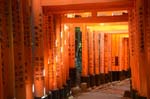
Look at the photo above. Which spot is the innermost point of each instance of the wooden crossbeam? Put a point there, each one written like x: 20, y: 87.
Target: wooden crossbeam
x: 101, y: 19
x: 109, y: 6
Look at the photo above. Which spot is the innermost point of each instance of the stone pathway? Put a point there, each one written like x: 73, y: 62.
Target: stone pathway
x: 114, y: 90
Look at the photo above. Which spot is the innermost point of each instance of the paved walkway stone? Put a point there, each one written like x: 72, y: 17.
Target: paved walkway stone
x: 114, y: 90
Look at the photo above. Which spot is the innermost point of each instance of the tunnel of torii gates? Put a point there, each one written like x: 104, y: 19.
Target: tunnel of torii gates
x: 37, y: 48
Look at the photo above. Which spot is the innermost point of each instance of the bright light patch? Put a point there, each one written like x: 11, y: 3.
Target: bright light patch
x: 61, y: 49
x: 33, y: 88
x: 61, y: 34
x: 48, y: 61
x: 56, y: 59
x: 44, y: 92
x: 65, y: 42
x: 44, y: 72
x: 66, y: 27
x: 56, y: 43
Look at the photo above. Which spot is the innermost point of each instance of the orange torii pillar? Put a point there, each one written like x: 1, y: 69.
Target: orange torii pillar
x: 121, y: 50
x: 65, y: 42
x: 140, y: 32
x: 117, y: 60
x: 7, y: 50
x: 46, y: 49
x: 50, y: 69
x: 64, y: 53
x: 1, y: 79
x: 107, y: 56
x: 102, y: 72
x: 91, y: 58
x: 59, y: 68
x: 132, y: 43
x: 121, y: 57
x: 19, y: 60
x: 58, y: 51
x: 126, y: 57
x: 1, y: 68
x: 97, y: 57
x: 72, y: 69
x: 49, y: 55
x: 112, y: 56
x: 147, y: 43
x: 38, y: 55
x: 85, y: 75
x: 27, y: 49
x: 66, y: 57
x: 64, y: 62
x: 115, y: 57
x: 52, y: 61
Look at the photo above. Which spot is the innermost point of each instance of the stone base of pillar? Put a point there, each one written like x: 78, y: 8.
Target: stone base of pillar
x: 92, y: 80
x: 133, y: 94
x: 66, y: 91
x: 97, y: 80
x: 37, y: 97
x: 102, y: 78
x: 62, y: 93
x: 141, y: 97
x: 49, y: 96
x: 115, y: 75
x: 107, y: 78
x: 86, y: 80
x: 55, y: 94
x: 122, y: 75
x: 128, y: 73
x: 72, y: 76
x: 127, y: 94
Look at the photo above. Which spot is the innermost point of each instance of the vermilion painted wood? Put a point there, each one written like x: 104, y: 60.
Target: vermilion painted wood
x: 46, y: 49
x: 1, y: 79
x: 1, y: 67
x: 7, y: 45
x: 72, y: 46
x: 111, y: 6
x: 84, y: 54
x: 101, y: 19
x: 96, y: 53
x: 19, y: 60
x: 147, y: 44
x: 139, y: 8
x: 38, y: 55
x: 27, y: 48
